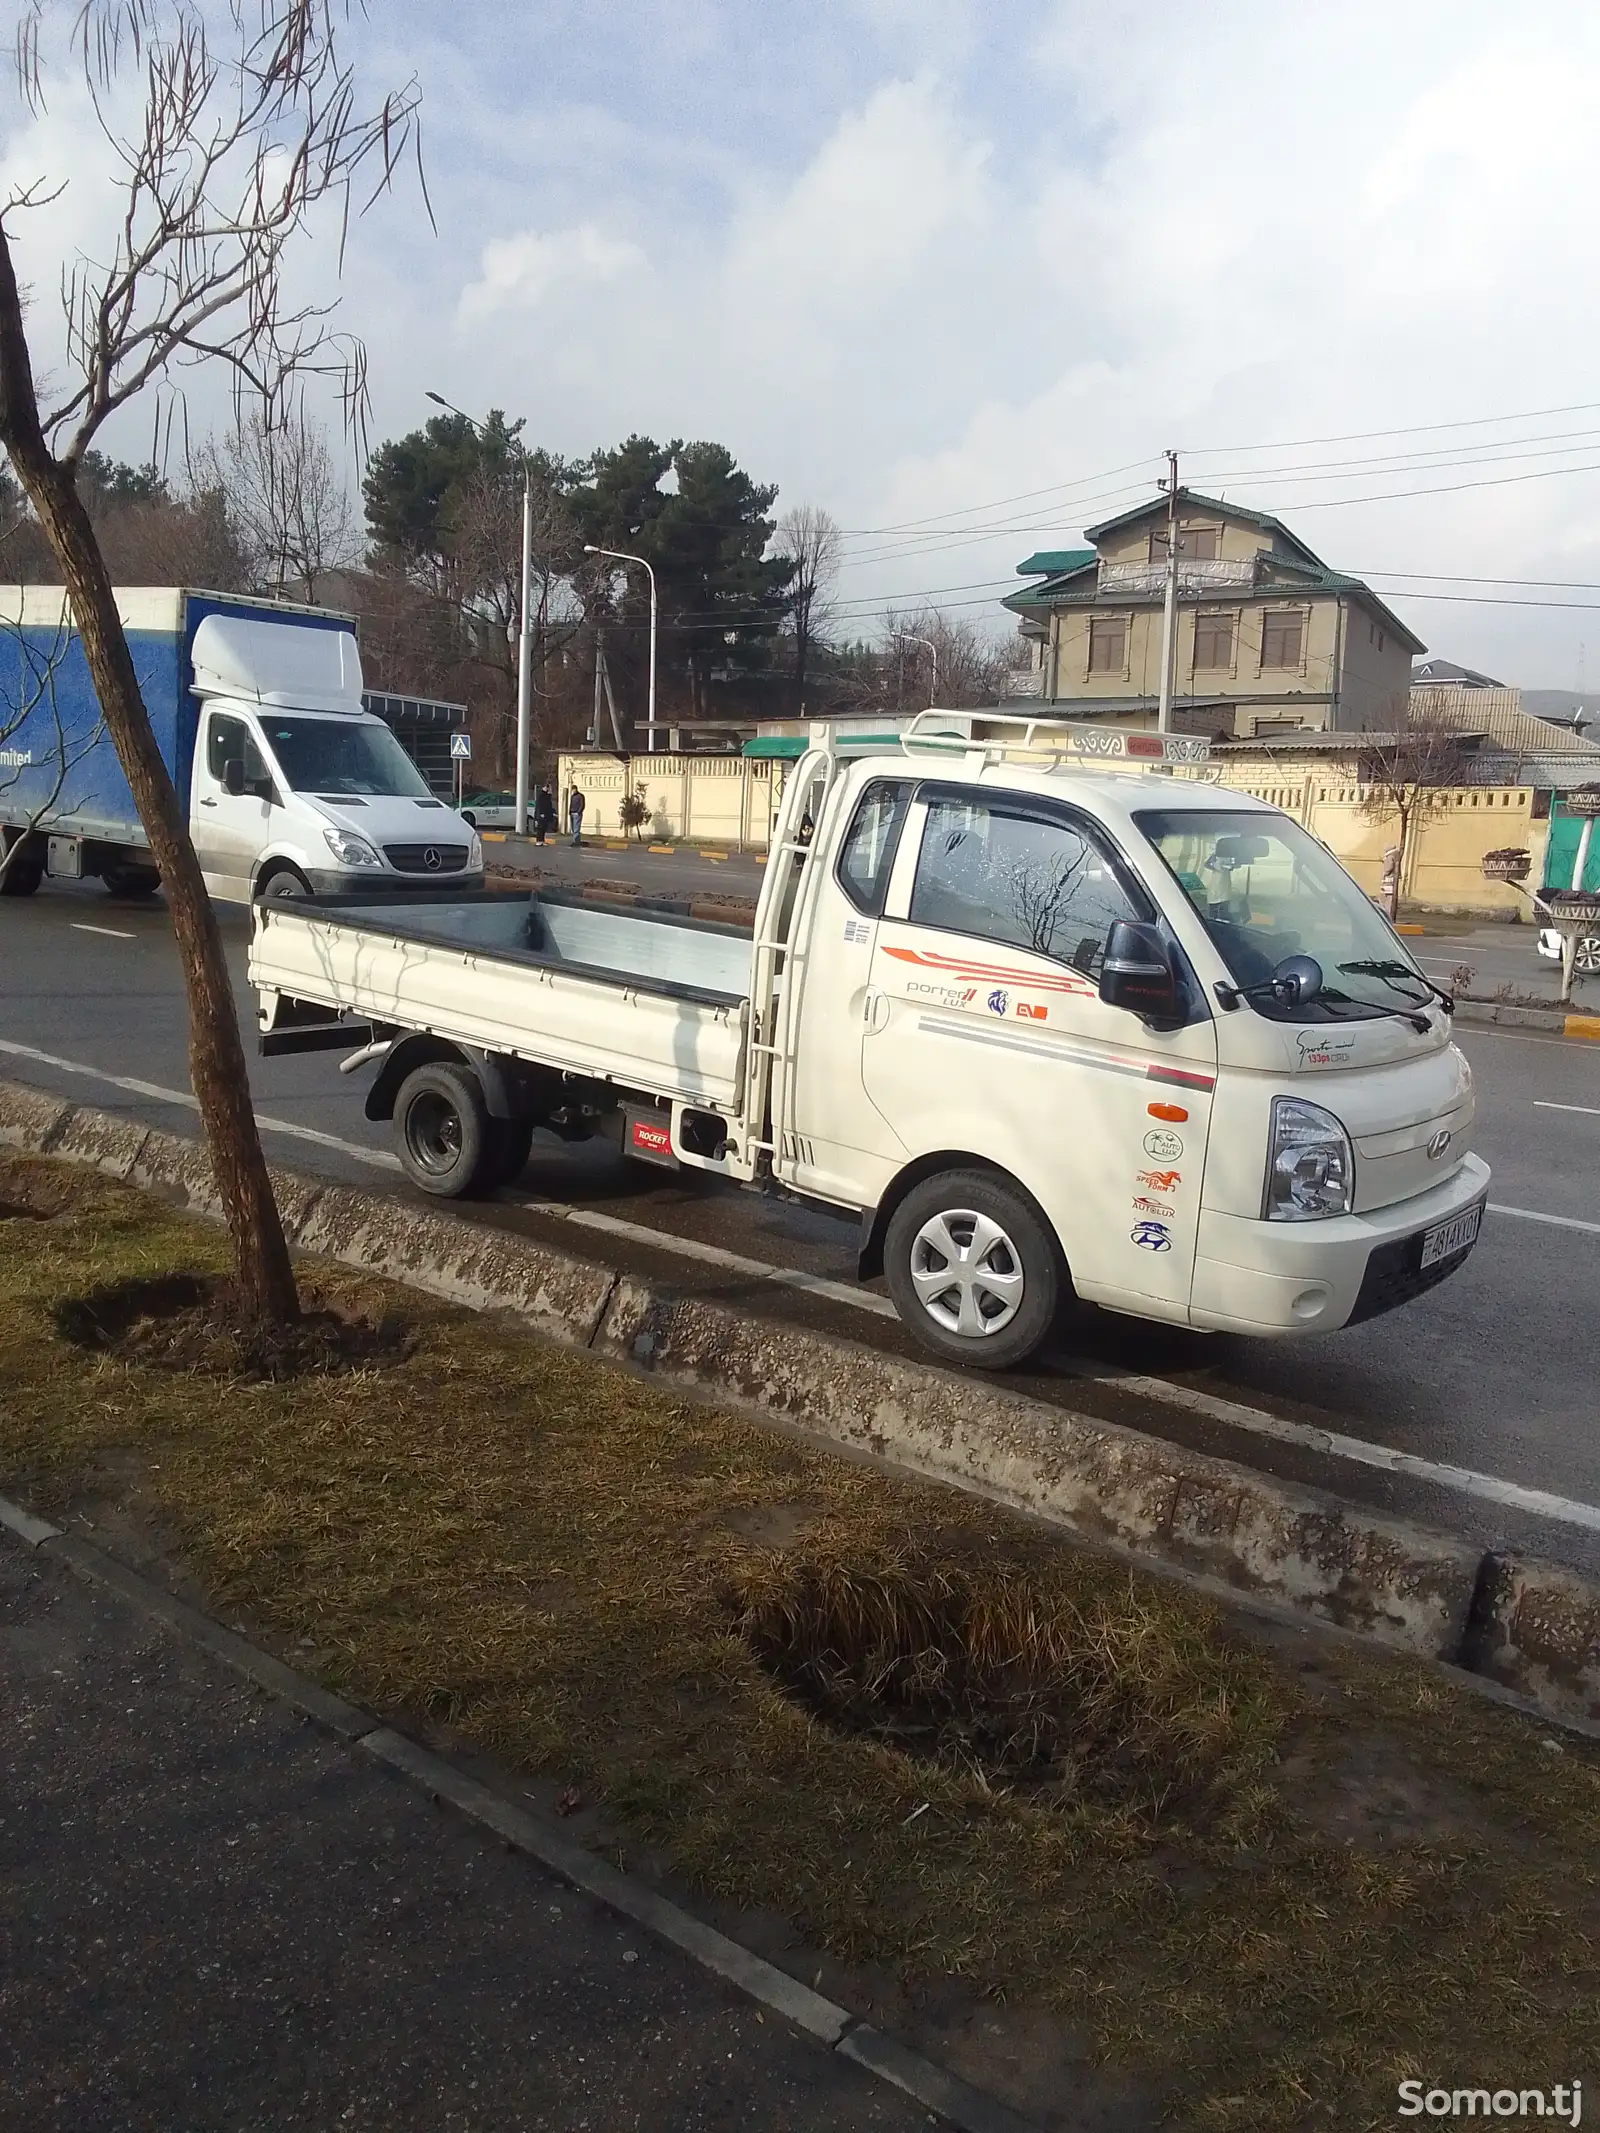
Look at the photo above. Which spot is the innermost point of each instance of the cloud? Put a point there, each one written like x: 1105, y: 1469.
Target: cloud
x: 518, y: 273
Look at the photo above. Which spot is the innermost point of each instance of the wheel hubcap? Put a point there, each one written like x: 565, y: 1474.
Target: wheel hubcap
x: 433, y: 1133
x: 967, y: 1273
x: 1587, y: 958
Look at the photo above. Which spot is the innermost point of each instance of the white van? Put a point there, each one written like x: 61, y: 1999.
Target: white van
x: 1046, y: 1030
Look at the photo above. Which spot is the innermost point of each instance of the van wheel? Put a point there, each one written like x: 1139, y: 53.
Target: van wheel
x: 973, y: 1269
x: 283, y: 881
x: 441, y: 1129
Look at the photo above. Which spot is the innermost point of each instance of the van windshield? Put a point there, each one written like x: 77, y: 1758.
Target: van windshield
x: 343, y: 756
x: 1267, y: 889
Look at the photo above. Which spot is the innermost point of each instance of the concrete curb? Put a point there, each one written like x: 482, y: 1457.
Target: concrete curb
x: 1532, y: 1627
x: 1555, y: 1021
x: 831, y: 2025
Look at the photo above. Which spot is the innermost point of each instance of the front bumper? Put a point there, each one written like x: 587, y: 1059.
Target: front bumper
x: 1312, y: 1277
x: 385, y: 887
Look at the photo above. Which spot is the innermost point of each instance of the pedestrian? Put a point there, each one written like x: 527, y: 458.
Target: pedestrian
x: 544, y: 814
x: 575, y: 807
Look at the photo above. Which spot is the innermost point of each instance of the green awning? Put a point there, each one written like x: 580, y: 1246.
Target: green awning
x: 789, y: 747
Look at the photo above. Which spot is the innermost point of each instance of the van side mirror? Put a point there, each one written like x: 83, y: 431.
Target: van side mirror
x: 1137, y: 972
x: 233, y: 777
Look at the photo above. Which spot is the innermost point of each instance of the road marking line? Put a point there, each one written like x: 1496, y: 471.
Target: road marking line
x: 112, y: 933
x: 1334, y: 1445
x: 1531, y: 1214
x: 715, y: 1255
x: 1588, y: 1110
x: 379, y: 1158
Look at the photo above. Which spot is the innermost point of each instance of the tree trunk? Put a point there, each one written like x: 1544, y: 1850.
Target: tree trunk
x: 217, y: 1067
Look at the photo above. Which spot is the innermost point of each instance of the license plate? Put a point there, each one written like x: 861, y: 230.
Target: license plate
x: 1452, y: 1236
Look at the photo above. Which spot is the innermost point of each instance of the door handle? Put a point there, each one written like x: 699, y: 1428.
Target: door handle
x: 874, y: 1009
x: 208, y: 803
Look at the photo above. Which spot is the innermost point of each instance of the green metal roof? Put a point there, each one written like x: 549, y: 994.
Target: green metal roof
x: 1051, y: 562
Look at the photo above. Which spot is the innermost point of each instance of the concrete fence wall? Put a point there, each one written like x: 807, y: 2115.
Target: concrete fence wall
x: 1451, y: 831
x: 703, y: 799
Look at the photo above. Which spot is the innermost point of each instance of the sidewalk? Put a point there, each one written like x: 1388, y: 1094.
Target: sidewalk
x: 216, y: 1916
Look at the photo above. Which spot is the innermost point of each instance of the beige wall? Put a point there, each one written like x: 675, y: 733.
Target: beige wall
x: 1448, y: 839
x: 1247, y: 679
x: 701, y: 799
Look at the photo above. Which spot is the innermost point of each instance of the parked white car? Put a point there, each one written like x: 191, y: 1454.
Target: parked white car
x: 1586, y: 962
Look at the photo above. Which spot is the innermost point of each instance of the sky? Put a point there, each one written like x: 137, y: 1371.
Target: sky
x: 961, y: 274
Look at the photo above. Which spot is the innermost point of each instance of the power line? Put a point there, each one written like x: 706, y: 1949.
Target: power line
x: 1413, y: 429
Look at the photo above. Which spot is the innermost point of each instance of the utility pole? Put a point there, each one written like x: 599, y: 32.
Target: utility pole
x: 525, y: 653
x: 1169, y: 619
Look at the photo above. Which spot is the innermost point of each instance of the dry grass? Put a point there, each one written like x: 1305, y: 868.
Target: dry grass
x: 1270, y: 1882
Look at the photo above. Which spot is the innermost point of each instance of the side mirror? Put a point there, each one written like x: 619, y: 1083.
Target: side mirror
x: 1297, y: 978
x: 233, y: 777
x: 1137, y: 972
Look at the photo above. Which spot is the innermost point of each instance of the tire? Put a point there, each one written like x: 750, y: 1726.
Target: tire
x: 281, y: 881
x: 506, y: 1157
x: 21, y: 878
x: 996, y: 1314
x: 1586, y: 958
x: 130, y: 881
x: 442, y: 1131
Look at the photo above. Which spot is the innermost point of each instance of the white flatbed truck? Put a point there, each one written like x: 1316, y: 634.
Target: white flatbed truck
x: 1048, y: 1020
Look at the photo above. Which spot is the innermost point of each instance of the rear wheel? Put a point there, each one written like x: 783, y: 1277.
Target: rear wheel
x: 506, y: 1157
x: 442, y: 1131
x: 26, y: 870
x: 973, y: 1269
x: 1586, y: 957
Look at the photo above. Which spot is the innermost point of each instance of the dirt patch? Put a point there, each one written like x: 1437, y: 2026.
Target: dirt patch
x: 10, y: 1213
x: 1008, y: 1678
x: 194, y: 1322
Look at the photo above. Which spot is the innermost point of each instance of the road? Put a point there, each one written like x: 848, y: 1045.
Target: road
x: 217, y: 1916
x: 1485, y: 1386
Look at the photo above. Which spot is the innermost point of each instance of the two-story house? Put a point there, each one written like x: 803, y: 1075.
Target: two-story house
x: 1269, y: 638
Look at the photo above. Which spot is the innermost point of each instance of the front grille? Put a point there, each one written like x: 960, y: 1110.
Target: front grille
x: 1395, y: 1274
x: 426, y: 858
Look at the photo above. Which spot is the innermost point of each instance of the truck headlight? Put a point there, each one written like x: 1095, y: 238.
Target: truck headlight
x: 475, y: 854
x: 351, y: 850
x: 1310, y: 1163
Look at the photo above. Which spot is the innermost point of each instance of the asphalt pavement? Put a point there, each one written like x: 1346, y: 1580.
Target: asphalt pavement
x: 1486, y: 1385
x: 214, y: 1915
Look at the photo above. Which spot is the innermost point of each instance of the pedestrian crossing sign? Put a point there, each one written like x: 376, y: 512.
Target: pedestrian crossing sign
x: 461, y: 747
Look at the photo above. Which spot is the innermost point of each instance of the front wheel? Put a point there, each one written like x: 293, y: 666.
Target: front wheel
x: 1586, y: 957
x: 283, y: 881
x: 973, y: 1269
x: 442, y: 1130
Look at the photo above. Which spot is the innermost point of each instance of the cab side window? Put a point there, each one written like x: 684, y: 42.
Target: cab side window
x: 1028, y: 881
x: 866, y: 859
x: 230, y: 740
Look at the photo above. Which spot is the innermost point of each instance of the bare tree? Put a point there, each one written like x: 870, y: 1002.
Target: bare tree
x: 972, y: 662
x: 285, y: 497
x: 1397, y: 769
x: 233, y: 154
x: 810, y: 539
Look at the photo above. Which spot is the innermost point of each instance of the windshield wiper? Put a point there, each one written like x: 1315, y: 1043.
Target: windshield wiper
x: 1389, y: 970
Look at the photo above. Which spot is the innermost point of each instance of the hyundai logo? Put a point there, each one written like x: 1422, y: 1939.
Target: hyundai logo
x: 1437, y: 1146
x: 433, y: 860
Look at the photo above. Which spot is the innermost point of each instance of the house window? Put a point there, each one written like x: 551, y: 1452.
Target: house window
x: 1200, y: 544
x: 1283, y: 636
x: 1213, y: 640
x: 1108, y: 644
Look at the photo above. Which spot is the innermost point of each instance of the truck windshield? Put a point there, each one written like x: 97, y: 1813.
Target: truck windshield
x: 1267, y: 889
x: 343, y: 756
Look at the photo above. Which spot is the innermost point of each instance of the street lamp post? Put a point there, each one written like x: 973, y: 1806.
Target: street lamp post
x: 525, y: 625
x: 619, y: 555
x: 910, y: 637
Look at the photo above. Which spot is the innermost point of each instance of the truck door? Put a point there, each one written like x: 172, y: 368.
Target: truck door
x: 994, y: 1040
x: 230, y: 830
x: 841, y: 1145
